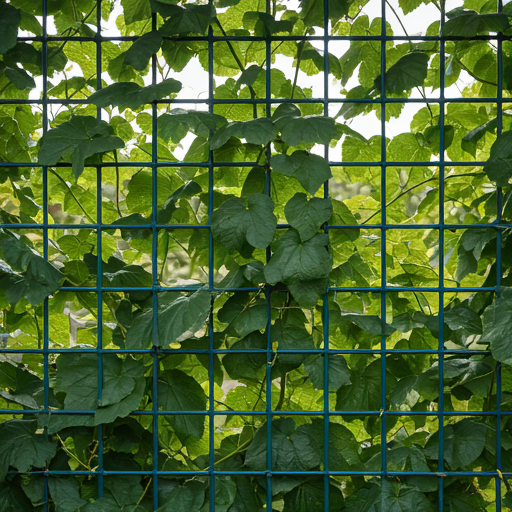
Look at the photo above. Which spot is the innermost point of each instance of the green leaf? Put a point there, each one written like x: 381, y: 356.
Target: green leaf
x: 178, y: 319
x: 290, y: 334
x: 470, y: 140
x: 184, y: 498
x: 13, y: 499
x: 307, y: 216
x: 137, y: 56
x: 123, y: 384
x: 499, y: 166
x: 456, y: 501
x: 234, y: 224
x: 308, y: 293
x: 247, y: 365
x: 408, y: 6
x: 292, y: 450
x: 10, y: 19
x: 177, y: 391
x: 364, y: 392
x: 475, y: 240
x: 74, y: 247
x: 30, y: 275
x: 310, y: 495
x: 105, y: 504
x: 406, y: 147
x: 191, y: 19
x: 312, y: 11
x: 293, y: 260
x: 179, y: 122
x: 463, y: 318
x: 22, y: 447
x: 339, y: 373
x: 20, y: 78
x: 469, y: 23
x: 136, y: 10
x: 306, y: 130
x: 311, y: 171
x: 65, y: 493
x: 396, y: 497
x: 21, y: 386
x: 131, y: 95
x: 130, y: 276
x: 225, y: 492
x: 263, y: 23
x: 76, y: 140
x: 256, y: 131
x: 244, y: 314
x: 496, y: 327
x: 410, y: 71
x: 464, y: 442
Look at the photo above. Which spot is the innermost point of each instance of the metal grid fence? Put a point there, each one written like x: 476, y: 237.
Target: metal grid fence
x: 271, y: 354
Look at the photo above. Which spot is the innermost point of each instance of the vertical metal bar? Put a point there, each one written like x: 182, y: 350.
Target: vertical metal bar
x: 154, y: 270
x: 99, y: 284
x: 268, y: 292
x: 325, y: 305
x: 268, y: 288
x: 211, y: 284
x: 383, y: 431
x: 44, y: 170
x: 441, y: 261
x: 499, y: 239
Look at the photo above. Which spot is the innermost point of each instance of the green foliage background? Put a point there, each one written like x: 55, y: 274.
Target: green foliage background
x: 136, y: 280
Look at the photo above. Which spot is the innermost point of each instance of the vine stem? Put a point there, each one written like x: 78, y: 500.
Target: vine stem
x: 472, y: 75
x: 419, y: 185
x: 282, y: 392
x: 117, y: 184
x: 63, y: 181
x: 144, y: 493
x: 239, y: 64
x: 241, y: 448
x: 399, y: 21
x: 300, y: 49
x: 71, y: 454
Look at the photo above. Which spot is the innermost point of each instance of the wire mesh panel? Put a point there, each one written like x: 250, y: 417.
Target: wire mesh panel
x: 252, y: 256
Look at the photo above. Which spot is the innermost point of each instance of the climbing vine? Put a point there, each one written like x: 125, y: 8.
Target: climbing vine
x: 196, y: 225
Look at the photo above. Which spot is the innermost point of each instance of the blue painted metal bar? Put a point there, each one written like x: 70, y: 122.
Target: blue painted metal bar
x: 499, y: 270
x: 154, y: 273
x: 440, y: 481
x: 99, y: 242
x: 186, y: 474
x: 268, y: 289
x: 44, y: 171
x: 325, y: 304
x: 377, y: 163
x: 490, y: 225
x: 242, y: 351
x: 251, y: 101
x: 211, y: 276
x: 229, y: 412
x: 383, y: 248
x: 293, y: 38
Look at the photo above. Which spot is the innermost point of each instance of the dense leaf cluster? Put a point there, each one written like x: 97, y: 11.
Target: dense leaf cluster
x: 197, y: 248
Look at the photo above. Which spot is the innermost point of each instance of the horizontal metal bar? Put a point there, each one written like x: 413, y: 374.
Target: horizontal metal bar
x: 376, y: 289
x: 177, y: 351
x: 265, y: 413
x: 383, y: 37
x: 263, y: 101
x: 490, y: 225
x: 390, y: 163
x: 187, y: 474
